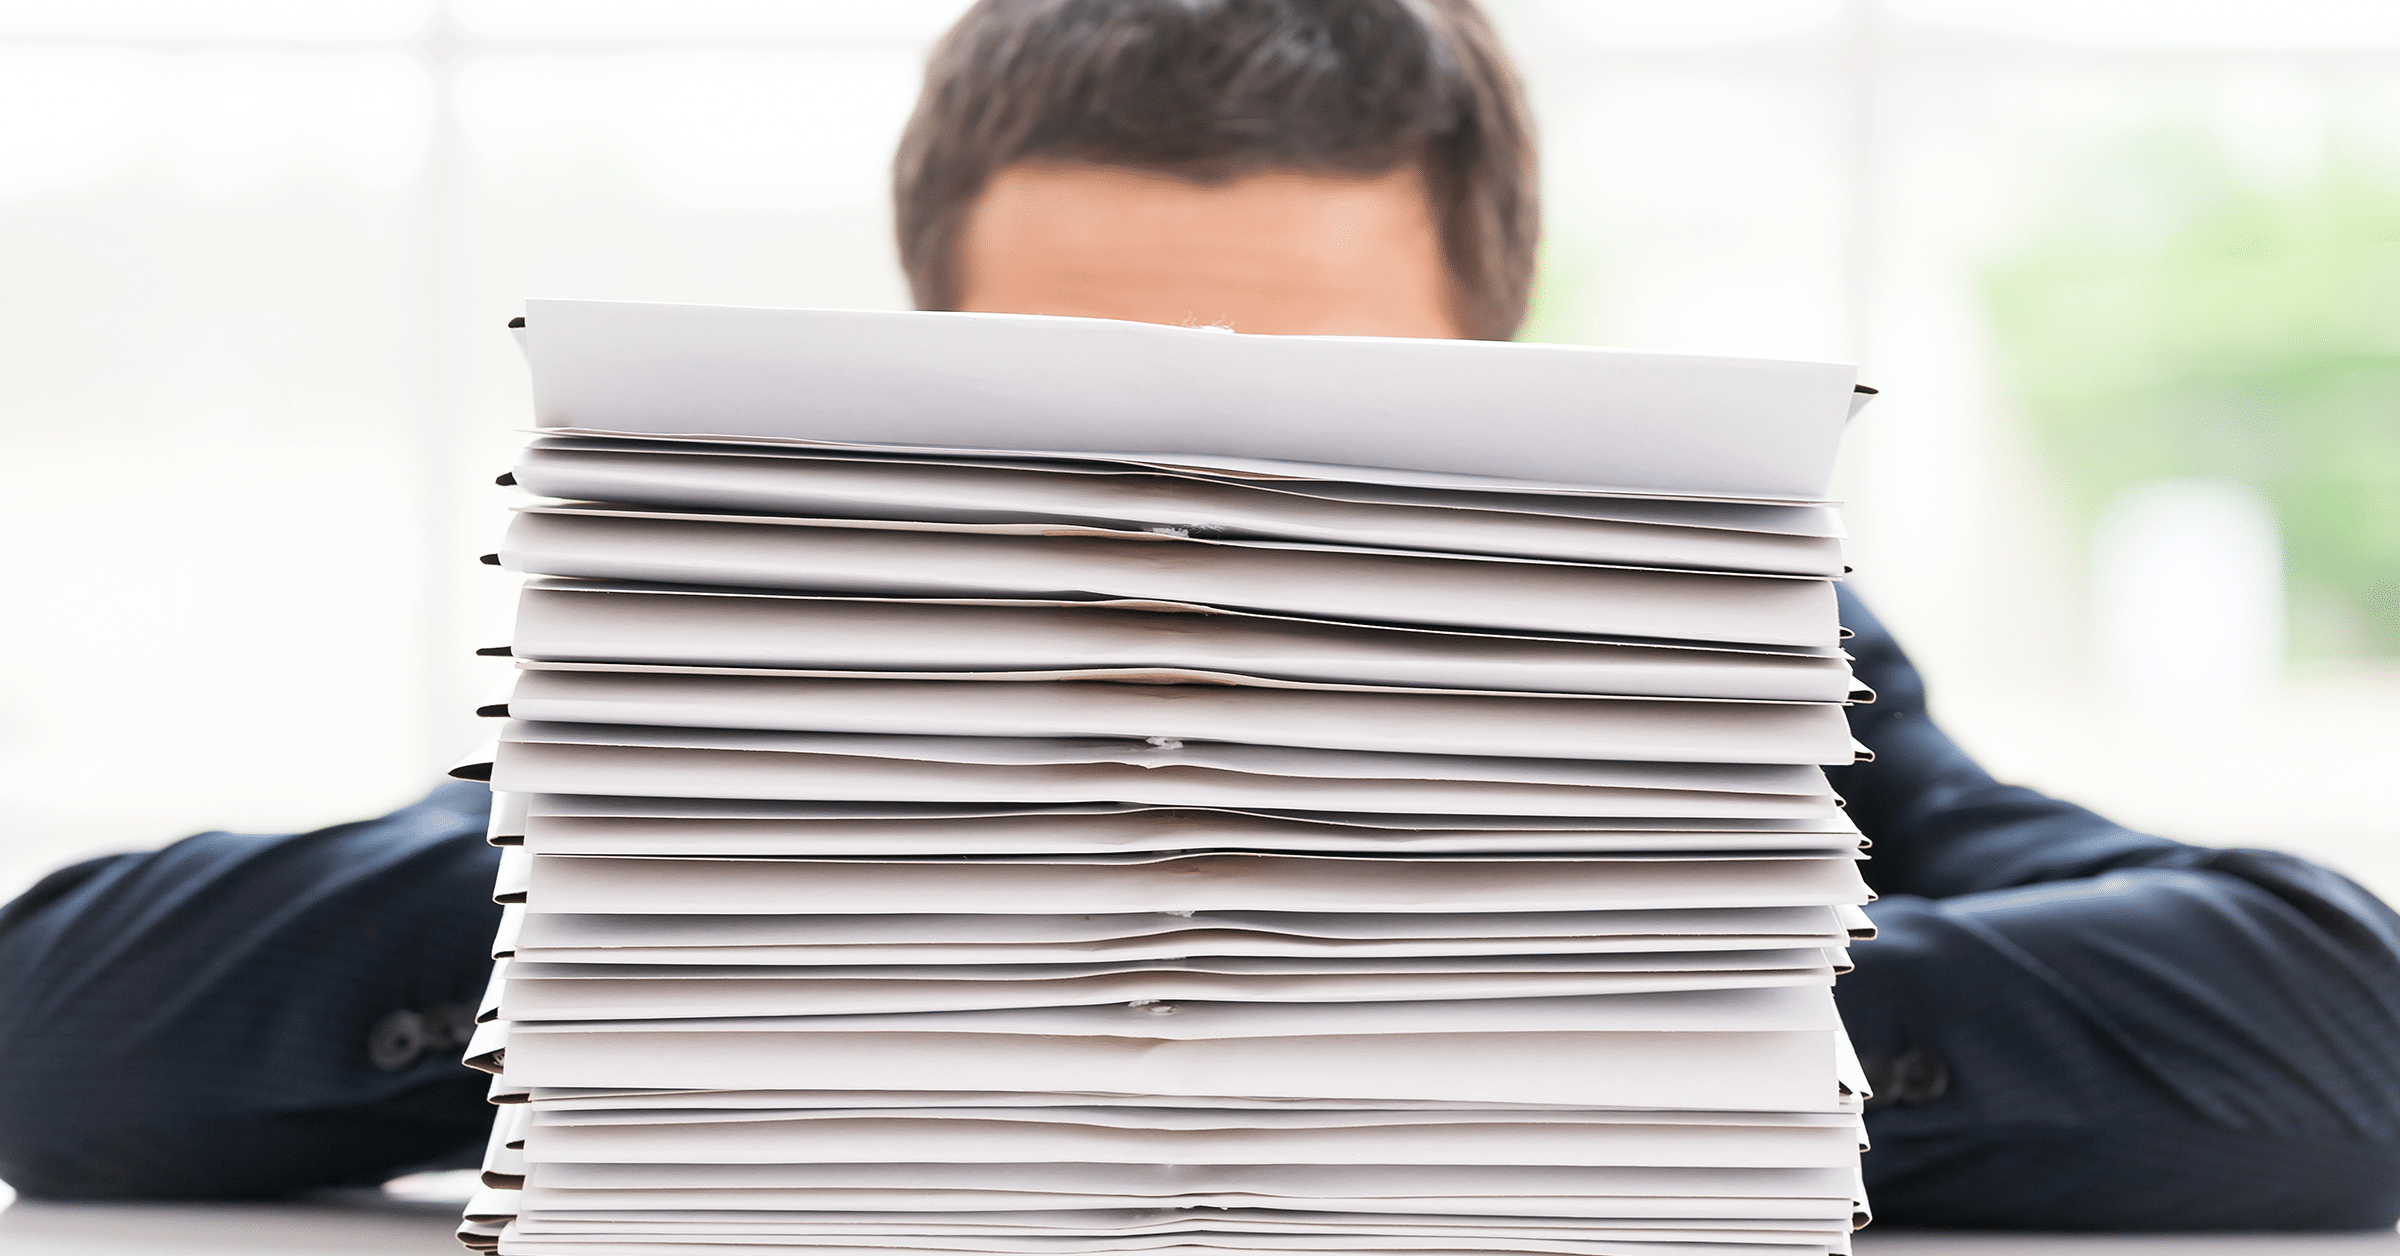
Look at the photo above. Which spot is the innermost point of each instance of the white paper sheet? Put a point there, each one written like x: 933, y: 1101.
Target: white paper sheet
x: 1611, y: 418
x: 498, y: 700
x: 1774, y: 518
x: 508, y: 883
x: 1095, y: 834
x: 1544, y: 728
x: 1181, y: 1111
x: 512, y: 1242
x: 565, y: 1201
x: 1216, y: 882
x: 1090, y: 1227
x: 1096, y: 937
x: 1358, y: 1154
x: 924, y: 560
x: 1719, y: 1011
x: 1790, y: 775
x: 507, y: 824
x: 1174, y: 948
x: 672, y: 995
x: 612, y: 621
x: 557, y: 766
x: 1414, y: 1182
x: 844, y: 488
x: 1064, y: 930
x: 1780, y: 1070
x: 594, y: 759
x: 1382, y: 823
x: 1267, y: 966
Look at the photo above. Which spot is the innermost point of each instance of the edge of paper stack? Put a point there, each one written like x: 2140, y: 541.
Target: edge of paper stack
x: 998, y: 784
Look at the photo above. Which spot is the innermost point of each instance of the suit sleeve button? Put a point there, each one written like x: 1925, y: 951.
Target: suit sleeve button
x: 396, y: 1041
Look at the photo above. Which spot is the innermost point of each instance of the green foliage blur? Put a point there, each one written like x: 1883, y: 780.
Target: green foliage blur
x: 1569, y: 280
x: 2176, y: 316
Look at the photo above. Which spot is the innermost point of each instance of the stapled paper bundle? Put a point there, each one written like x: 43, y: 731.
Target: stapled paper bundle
x: 998, y: 784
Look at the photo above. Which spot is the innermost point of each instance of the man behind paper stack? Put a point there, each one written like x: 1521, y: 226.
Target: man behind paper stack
x: 2072, y: 1025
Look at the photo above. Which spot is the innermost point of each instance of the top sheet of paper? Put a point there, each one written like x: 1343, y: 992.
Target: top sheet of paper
x: 1602, y: 418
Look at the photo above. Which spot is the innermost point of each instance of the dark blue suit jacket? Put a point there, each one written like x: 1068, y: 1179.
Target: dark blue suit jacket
x: 2073, y: 1026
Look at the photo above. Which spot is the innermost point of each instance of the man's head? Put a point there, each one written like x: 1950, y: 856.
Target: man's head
x: 1333, y: 166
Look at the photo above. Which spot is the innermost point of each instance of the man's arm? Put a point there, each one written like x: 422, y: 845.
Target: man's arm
x: 1941, y: 825
x: 241, y: 1016
x: 2078, y: 1026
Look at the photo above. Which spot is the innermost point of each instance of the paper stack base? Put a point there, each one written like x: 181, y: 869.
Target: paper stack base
x: 1025, y: 850
x: 1189, y: 1171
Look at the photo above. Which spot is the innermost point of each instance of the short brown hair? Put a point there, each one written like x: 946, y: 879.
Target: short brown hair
x: 1210, y: 90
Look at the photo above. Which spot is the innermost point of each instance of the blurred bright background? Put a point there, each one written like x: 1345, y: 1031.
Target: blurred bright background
x: 2128, y: 273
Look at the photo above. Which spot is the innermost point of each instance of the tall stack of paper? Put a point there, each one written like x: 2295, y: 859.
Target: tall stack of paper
x: 988, y: 784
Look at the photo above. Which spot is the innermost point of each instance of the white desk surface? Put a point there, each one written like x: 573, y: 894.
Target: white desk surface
x: 368, y: 1224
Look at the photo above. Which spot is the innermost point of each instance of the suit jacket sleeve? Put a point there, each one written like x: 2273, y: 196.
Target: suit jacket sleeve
x: 244, y: 1015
